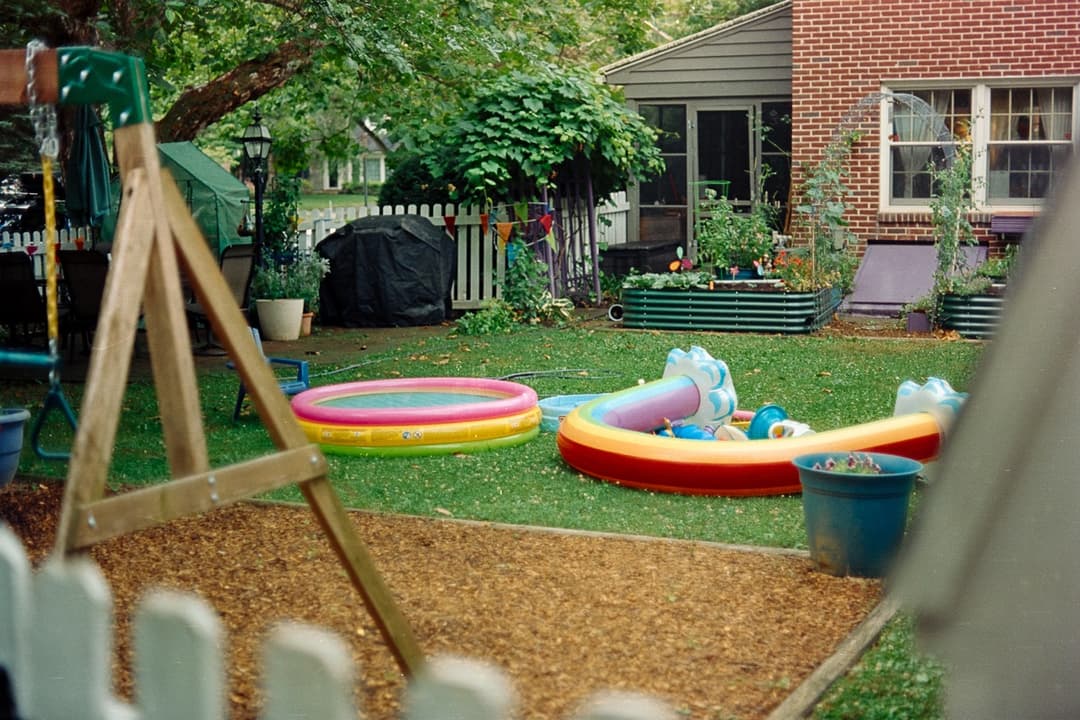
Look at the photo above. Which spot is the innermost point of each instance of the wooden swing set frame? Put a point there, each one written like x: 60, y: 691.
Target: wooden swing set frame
x: 156, y: 236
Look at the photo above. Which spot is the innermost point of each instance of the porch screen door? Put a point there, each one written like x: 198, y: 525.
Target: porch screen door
x: 723, y: 160
x: 725, y: 153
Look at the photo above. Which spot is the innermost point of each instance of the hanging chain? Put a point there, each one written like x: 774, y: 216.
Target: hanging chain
x: 43, y: 118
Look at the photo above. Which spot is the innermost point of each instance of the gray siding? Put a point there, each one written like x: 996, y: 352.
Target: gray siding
x: 748, y: 57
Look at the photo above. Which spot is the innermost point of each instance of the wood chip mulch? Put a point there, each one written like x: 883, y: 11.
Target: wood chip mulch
x: 716, y: 632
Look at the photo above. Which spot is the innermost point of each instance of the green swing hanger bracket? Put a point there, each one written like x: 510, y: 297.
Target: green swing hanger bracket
x: 91, y: 76
x: 54, y: 400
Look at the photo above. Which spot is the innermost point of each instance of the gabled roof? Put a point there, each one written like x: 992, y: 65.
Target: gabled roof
x: 724, y: 28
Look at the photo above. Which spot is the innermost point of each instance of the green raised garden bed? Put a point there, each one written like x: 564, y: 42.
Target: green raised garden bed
x: 973, y: 316
x: 745, y: 307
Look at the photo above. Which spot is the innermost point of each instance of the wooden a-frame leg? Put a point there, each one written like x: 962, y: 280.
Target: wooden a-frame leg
x: 273, y: 407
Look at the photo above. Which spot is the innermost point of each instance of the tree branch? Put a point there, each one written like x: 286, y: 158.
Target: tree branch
x: 199, y: 107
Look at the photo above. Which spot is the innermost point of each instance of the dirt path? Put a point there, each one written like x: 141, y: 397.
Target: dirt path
x: 714, y: 631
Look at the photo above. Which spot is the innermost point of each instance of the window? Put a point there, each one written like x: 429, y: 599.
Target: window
x: 925, y: 127
x: 1021, y: 137
x: 670, y: 187
x: 1030, y: 139
x: 373, y: 169
x: 662, y: 200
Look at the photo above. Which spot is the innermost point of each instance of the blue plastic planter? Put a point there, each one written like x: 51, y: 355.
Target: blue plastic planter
x: 854, y: 522
x: 12, y: 422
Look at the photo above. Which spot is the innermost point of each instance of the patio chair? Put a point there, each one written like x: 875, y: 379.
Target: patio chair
x: 237, y: 263
x: 84, y: 273
x: 289, y: 385
x: 22, y: 308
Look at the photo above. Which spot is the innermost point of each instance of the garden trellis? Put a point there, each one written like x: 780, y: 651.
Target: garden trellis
x: 155, y: 236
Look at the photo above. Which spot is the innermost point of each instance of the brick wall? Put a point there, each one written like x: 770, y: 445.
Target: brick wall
x: 844, y: 49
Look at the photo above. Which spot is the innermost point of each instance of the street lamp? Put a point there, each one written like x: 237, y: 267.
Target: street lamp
x: 256, y: 143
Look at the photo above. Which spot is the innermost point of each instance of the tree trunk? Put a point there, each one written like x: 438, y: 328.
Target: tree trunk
x: 199, y: 107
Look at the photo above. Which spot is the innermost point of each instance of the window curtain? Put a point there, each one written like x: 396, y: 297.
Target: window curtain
x: 922, y: 123
x: 1055, y: 119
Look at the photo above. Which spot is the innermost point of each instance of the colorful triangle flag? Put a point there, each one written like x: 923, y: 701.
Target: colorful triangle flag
x: 521, y: 210
x: 545, y: 221
x: 483, y: 223
x: 504, y: 228
x: 451, y: 223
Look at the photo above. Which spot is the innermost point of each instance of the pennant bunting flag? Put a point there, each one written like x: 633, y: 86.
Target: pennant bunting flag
x: 545, y: 221
x: 483, y: 223
x: 451, y: 223
x: 551, y: 240
x: 504, y: 228
x: 521, y: 211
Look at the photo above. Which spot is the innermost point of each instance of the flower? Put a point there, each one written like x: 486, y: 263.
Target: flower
x: 855, y: 463
x: 799, y: 274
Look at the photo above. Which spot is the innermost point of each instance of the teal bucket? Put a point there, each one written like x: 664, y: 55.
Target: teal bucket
x: 855, y: 522
x: 12, y: 422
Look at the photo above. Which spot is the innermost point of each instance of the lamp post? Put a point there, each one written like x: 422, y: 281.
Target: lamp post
x: 256, y: 144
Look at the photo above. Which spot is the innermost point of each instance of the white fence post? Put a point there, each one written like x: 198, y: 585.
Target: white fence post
x: 474, y: 689
x: 15, y: 615
x: 71, y: 644
x: 188, y: 681
x: 56, y: 643
x: 622, y: 705
x: 308, y: 674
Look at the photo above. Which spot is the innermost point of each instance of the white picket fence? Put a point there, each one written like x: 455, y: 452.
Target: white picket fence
x: 480, y: 262
x: 56, y: 646
x: 481, y: 265
x: 23, y: 242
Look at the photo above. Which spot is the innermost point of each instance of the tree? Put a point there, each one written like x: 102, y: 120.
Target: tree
x: 551, y: 136
x: 205, y: 58
x: 526, y: 132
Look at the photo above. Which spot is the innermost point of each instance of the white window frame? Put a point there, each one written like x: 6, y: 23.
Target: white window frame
x: 980, y: 135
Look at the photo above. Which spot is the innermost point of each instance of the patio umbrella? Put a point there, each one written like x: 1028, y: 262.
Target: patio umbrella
x: 89, y: 192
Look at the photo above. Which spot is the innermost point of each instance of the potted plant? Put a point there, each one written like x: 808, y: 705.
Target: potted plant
x: 917, y: 313
x: 855, y: 505
x: 306, y: 274
x: 284, y: 290
x: 731, y: 241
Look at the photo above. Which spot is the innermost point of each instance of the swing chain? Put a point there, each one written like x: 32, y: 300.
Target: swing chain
x: 43, y: 117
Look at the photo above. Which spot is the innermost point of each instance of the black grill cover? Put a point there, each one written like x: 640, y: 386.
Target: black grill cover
x: 387, y: 271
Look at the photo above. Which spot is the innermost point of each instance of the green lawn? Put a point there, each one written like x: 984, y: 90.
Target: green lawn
x: 827, y: 382
x: 321, y: 201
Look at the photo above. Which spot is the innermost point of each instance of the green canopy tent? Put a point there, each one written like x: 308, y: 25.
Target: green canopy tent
x: 217, y: 200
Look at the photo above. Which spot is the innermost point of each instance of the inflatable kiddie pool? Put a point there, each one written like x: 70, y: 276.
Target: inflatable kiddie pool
x: 615, y: 437
x: 418, y: 416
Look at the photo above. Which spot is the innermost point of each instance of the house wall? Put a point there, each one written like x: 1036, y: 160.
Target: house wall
x: 738, y: 64
x: 843, y: 50
x: 748, y: 57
